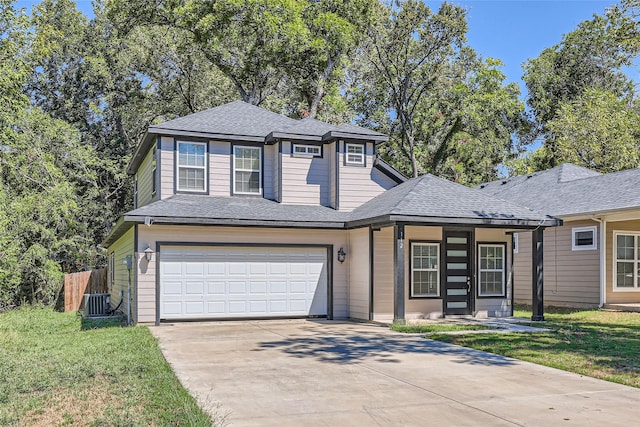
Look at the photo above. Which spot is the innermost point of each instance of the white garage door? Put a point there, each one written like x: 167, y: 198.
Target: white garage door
x: 230, y: 282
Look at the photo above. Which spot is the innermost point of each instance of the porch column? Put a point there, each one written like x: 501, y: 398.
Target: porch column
x: 537, y: 238
x: 399, y: 268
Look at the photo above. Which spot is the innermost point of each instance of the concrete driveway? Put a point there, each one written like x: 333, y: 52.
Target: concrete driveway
x: 322, y: 373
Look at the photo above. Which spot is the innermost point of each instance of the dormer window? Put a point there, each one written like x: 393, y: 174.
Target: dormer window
x: 191, y: 165
x: 354, y: 154
x: 307, y: 150
x: 247, y: 170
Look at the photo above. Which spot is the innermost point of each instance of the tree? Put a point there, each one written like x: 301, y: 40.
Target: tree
x: 447, y: 111
x: 590, y: 58
x: 598, y: 131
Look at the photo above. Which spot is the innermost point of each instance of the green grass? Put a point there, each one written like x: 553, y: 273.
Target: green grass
x: 596, y: 343
x: 56, y: 369
x: 437, y: 327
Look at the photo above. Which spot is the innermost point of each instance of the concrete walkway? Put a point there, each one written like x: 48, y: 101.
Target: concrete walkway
x: 320, y: 373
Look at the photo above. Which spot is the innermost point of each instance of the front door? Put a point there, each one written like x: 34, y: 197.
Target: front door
x: 457, y: 277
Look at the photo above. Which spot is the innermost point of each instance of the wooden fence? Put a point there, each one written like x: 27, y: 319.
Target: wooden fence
x: 85, y: 282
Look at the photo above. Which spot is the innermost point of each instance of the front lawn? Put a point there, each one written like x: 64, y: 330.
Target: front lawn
x: 433, y: 328
x: 55, y: 371
x: 596, y: 343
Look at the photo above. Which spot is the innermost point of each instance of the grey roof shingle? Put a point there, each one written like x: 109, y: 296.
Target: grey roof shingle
x: 426, y: 199
x: 570, y: 190
x: 237, y: 209
x: 431, y: 197
x: 235, y: 118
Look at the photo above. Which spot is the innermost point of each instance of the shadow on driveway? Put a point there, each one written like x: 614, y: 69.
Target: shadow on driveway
x: 357, y: 345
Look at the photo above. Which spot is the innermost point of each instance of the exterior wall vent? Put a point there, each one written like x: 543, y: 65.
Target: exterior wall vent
x: 97, y: 305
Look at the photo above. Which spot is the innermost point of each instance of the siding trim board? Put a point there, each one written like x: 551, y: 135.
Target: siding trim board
x: 329, y: 266
x: 371, y: 270
x: 158, y: 167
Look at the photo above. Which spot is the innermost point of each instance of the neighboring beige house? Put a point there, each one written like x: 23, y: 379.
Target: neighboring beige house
x: 244, y: 213
x: 581, y: 269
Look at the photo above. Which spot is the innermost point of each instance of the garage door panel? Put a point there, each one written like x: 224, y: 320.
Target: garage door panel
x: 242, y: 282
x: 216, y: 288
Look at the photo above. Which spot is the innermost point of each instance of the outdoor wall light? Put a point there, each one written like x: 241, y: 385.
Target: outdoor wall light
x: 341, y: 255
x: 148, y: 253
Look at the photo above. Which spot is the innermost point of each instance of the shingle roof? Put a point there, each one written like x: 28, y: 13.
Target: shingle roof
x: 426, y: 199
x: 430, y: 197
x: 570, y: 190
x: 237, y: 209
x: 241, y: 121
x: 235, y: 118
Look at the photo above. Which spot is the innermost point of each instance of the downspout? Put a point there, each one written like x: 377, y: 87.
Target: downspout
x: 603, y: 260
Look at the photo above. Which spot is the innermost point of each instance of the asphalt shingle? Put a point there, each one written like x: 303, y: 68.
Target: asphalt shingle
x: 570, y: 190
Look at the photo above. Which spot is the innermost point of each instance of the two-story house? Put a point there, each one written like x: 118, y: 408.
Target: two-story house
x: 244, y: 213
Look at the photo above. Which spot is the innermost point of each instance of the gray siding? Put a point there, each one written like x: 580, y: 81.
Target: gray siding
x: 121, y: 248
x: 333, y: 183
x: 276, y: 173
x: 219, y: 168
x: 270, y: 154
x: 167, y: 167
x: 356, y: 184
x: 359, y: 262
x: 144, y: 176
x: 571, y: 278
x: 305, y: 180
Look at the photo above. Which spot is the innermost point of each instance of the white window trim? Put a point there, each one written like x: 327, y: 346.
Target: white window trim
x: 135, y: 192
x: 593, y: 247
x: 492, y: 270
x: 636, y: 261
x: 154, y: 171
x: 516, y: 243
x: 306, y: 152
x: 346, y: 154
x: 178, y: 166
x: 436, y: 269
x: 235, y: 147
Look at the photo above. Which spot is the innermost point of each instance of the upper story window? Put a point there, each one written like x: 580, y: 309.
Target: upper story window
x: 516, y: 243
x: 135, y: 192
x: 354, y: 154
x: 583, y: 238
x: 247, y: 170
x: 192, y: 169
x: 307, y: 150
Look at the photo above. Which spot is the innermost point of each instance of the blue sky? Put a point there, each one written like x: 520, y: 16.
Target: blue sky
x: 511, y: 30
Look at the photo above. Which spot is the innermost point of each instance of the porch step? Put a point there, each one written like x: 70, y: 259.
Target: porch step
x: 635, y: 307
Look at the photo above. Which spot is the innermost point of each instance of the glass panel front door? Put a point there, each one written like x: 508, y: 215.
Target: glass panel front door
x: 457, y: 280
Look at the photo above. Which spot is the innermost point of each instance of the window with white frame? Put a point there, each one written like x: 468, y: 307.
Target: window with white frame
x: 627, y: 256
x: 135, y: 192
x: 425, y: 276
x: 583, y: 238
x: 516, y: 243
x: 354, y: 154
x: 247, y: 170
x: 307, y: 150
x: 112, y: 270
x: 491, y: 263
x: 191, y: 164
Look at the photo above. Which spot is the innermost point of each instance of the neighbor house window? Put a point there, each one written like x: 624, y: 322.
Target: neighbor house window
x: 247, y: 170
x: 355, y: 154
x: 192, y: 169
x: 491, y: 261
x: 627, y: 267
x: 583, y: 238
x: 425, y: 276
x: 154, y: 171
x: 516, y: 243
x: 112, y: 270
x: 307, y: 150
